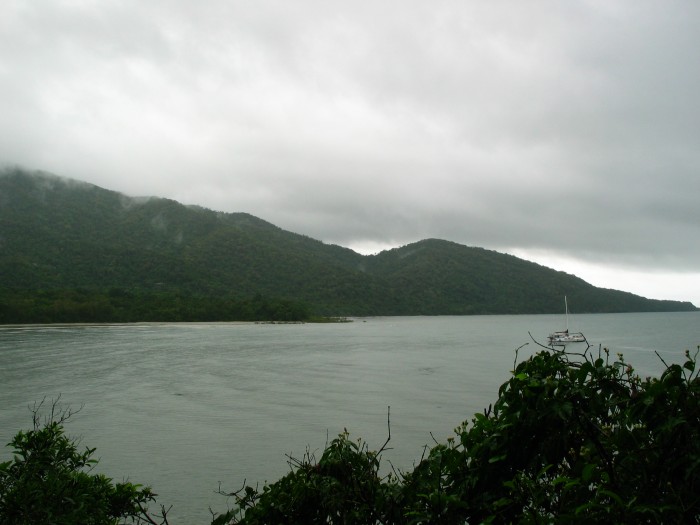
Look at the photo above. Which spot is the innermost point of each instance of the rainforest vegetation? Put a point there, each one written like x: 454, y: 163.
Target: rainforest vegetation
x: 75, y: 251
x: 572, y: 438
x: 121, y: 306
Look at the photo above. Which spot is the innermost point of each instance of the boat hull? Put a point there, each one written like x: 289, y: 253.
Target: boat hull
x: 560, y: 338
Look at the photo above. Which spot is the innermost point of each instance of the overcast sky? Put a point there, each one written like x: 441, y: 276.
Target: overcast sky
x: 567, y: 133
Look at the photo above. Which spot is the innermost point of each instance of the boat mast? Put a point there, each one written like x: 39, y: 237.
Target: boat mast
x: 566, y: 309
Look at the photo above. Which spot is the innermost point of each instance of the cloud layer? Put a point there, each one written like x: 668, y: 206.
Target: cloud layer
x: 564, y: 128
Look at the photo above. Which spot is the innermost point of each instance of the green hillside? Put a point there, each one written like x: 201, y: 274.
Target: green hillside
x: 59, y: 235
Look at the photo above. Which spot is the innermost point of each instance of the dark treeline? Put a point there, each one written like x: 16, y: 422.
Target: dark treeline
x: 123, y: 306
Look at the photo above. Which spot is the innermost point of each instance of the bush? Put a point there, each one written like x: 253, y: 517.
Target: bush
x: 342, y: 488
x: 571, y: 439
x: 49, y: 481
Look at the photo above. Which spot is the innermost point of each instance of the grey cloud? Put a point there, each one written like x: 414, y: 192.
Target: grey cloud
x: 567, y: 127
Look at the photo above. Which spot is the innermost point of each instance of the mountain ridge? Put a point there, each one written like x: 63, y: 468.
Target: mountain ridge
x: 59, y: 233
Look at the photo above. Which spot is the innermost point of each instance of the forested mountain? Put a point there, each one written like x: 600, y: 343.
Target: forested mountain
x: 59, y: 235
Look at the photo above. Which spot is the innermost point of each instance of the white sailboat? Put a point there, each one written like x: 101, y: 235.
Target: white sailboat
x: 564, y: 336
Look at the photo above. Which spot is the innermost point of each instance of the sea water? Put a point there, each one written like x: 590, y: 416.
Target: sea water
x: 191, y: 408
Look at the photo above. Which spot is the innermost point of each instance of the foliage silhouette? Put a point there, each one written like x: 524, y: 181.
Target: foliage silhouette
x: 49, y: 482
x: 572, y: 438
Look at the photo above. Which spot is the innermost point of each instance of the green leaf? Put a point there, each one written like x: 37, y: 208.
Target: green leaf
x: 496, y: 459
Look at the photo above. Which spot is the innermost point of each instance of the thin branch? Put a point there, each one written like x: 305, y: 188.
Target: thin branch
x: 662, y: 359
x: 388, y: 425
x: 515, y: 360
x: 538, y: 343
x: 145, y: 516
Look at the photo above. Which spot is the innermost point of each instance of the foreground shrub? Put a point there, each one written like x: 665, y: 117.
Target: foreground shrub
x: 343, y: 487
x: 49, y: 482
x: 571, y: 439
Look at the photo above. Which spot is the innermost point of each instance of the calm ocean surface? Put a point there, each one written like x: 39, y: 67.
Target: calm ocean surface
x: 183, y: 407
